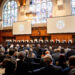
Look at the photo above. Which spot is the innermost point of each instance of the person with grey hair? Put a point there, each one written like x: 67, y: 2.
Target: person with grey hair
x: 56, y: 54
x: 49, y: 67
x: 51, y: 50
x: 22, y: 66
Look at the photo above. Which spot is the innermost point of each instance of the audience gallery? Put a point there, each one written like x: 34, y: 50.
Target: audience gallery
x: 24, y: 59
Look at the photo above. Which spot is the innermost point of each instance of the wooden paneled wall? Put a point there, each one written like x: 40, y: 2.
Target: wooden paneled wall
x: 39, y: 32
x: 36, y: 32
x: 62, y: 37
x: 23, y: 37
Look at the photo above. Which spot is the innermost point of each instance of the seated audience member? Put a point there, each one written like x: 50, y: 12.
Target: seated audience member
x: 62, y: 51
x: 27, y: 46
x: 21, y: 48
x: 17, y: 46
x: 70, y: 53
x: 11, y: 54
x: 49, y: 67
x: 67, y: 49
x: 31, y: 54
x: 26, y: 53
x: 2, y: 48
x: 2, y: 56
x: 22, y: 66
x: 43, y: 54
x: 11, y: 46
x: 72, y: 65
x: 51, y: 50
x: 10, y: 66
x: 2, y: 51
x: 38, y: 50
x: 56, y: 54
x: 62, y: 61
x: 15, y: 55
x: 47, y: 53
x: 71, y: 69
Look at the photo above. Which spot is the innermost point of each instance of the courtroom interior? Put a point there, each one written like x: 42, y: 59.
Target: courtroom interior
x: 37, y: 37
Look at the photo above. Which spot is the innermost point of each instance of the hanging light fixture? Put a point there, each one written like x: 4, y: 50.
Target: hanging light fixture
x: 22, y: 2
x: 30, y: 13
x: 22, y: 6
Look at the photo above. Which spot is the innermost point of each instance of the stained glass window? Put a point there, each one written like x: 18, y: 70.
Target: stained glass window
x: 73, y: 7
x: 10, y: 10
x: 43, y: 10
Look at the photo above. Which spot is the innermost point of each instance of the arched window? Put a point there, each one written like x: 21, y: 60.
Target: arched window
x: 9, y: 13
x: 43, y: 9
x: 73, y: 7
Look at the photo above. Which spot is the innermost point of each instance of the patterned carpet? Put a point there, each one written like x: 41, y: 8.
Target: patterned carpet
x: 2, y: 70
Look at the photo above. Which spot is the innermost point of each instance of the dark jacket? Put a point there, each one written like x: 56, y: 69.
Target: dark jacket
x: 51, y: 69
x: 22, y: 68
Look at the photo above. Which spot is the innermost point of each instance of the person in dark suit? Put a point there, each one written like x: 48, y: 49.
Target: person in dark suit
x: 38, y: 50
x: 71, y: 69
x: 70, y: 53
x: 49, y: 67
x: 22, y: 66
x: 10, y: 66
x: 56, y: 55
